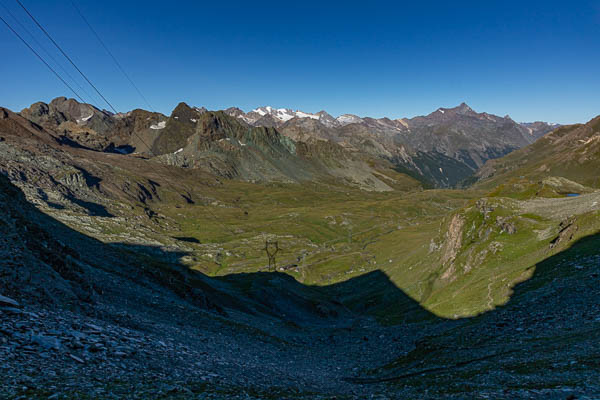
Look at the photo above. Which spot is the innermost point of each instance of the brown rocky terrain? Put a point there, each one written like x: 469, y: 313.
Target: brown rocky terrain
x: 106, y: 249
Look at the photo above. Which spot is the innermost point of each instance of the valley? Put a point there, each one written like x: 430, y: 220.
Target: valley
x: 411, y: 262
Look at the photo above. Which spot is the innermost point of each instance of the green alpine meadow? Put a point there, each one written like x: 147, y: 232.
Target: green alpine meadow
x: 163, y: 237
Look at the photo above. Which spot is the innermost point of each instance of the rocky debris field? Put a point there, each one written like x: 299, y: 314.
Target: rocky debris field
x: 61, y: 354
x: 81, y: 318
x: 542, y: 345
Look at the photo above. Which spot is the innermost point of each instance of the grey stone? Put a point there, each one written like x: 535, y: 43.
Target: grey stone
x: 7, y: 301
x: 49, y: 343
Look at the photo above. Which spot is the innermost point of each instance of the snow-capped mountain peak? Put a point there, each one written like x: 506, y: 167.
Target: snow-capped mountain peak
x: 346, y: 119
x: 285, y: 114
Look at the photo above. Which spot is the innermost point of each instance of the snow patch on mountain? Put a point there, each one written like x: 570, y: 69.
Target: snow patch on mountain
x: 85, y: 119
x: 282, y: 114
x: 301, y: 114
x: 346, y: 119
x: 160, y: 125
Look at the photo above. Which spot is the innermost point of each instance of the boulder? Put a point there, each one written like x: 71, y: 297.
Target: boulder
x: 8, y: 302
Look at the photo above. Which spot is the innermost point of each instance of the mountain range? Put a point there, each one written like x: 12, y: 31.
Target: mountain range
x: 281, y: 254
x: 440, y: 149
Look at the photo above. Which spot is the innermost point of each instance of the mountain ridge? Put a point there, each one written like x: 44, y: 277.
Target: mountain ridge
x: 440, y: 149
x: 283, y: 115
x: 459, y: 139
x: 124, y: 258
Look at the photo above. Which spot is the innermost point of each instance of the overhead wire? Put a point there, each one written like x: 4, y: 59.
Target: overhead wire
x: 117, y: 63
x: 42, y: 59
x: 66, y: 55
x: 94, y: 87
x: 112, y: 56
x: 32, y: 36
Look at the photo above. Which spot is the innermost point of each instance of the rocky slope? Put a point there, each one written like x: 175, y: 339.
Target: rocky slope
x: 141, y: 272
x: 84, y: 318
x: 226, y: 147
x: 213, y: 142
x: 440, y: 149
x: 569, y: 152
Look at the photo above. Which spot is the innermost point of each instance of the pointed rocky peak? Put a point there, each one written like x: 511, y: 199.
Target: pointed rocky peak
x: 267, y: 120
x: 60, y: 100
x: 326, y: 119
x: 184, y: 122
x: 324, y: 115
x: 447, y: 113
x: 36, y: 111
x: 73, y: 109
x: 185, y: 114
x: 181, y: 108
x: 463, y: 108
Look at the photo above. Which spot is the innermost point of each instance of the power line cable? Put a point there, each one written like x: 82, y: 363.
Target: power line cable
x: 112, y: 55
x: 42, y: 60
x: 79, y: 97
x: 97, y: 91
x: 48, y: 53
x: 66, y: 56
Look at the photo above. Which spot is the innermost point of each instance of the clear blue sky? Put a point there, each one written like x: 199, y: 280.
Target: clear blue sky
x: 534, y: 60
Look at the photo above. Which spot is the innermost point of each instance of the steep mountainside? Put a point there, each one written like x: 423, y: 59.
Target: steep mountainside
x: 571, y: 152
x: 388, y: 320
x: 216, y: 143
x: 222, y: 145
x: 465, y: 135
x: 129, y: 271
x: 86, y: 126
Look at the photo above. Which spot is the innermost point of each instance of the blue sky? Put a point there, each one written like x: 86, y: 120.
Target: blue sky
x: 533, y: 60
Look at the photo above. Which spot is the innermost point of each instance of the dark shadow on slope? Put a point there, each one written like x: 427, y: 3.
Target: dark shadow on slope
x: 93, y: 209
x: 60, y: 257
x: 122, y: 149
x: 91, y: 181
x: 547, y: 319
x: 274, y: 294
x: 279, y: 296
x: 65, y: 141
x: 546, y: 336
x: 186, y: 239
